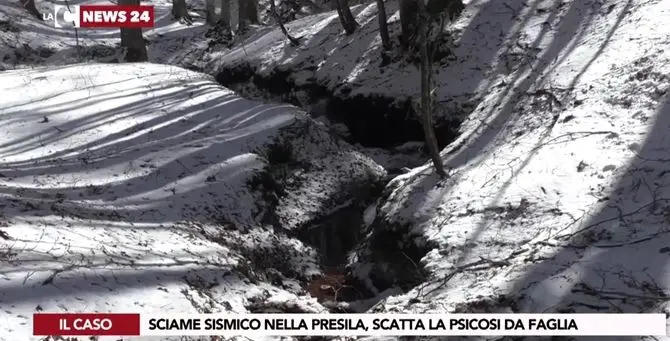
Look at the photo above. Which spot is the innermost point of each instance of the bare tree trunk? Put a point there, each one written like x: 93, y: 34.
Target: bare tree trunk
x: 408, y: 21
x: 218, y: 11
x: 252, y: 11
x: 273, y: 9
x: 29, y: 5
x: 344, y: 4
x: 242, y: 21
x: 210, y: 11
x: 225, y: 13
x: 132, y: 39
x: 180, y: 12
x: 234, y: 13
x: 346, y: 18
x: 383, y: 25
x: 249, y: 11
x: 426, y: 93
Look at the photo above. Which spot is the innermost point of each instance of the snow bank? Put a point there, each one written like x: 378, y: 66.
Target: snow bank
x: 557, y: 198
x: 127, y: 187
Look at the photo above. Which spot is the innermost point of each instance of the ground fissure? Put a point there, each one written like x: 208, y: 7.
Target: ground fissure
x: 373, y: 121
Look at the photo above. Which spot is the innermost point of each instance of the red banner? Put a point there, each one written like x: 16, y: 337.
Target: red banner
x: 86, y: 324
x: 112, y: 16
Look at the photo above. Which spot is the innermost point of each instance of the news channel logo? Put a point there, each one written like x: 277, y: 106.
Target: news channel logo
x: 66, y: 16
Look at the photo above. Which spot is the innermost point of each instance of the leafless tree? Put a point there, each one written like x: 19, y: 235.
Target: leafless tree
x: 132, y: 39
x: 346, y: 17
x: 426, y: 110
x: 435, y: 9
x: 346, y: 10
x: 218, y: 11
x: 409, y: 10
x: 295, y: 41
x: 248, y: 12
x: 383, y: 25
x: 180, y: 12
x: 29, y: 5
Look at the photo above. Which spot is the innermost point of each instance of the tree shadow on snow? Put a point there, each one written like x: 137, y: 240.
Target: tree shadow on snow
x: 168, y: 164
x: 617, y: 258
x: 103, y: 276
x: 506, y: 62
x: 547, y: 63
x: 136, y: 183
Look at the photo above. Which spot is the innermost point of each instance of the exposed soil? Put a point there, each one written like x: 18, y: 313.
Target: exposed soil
x: 371, y: 121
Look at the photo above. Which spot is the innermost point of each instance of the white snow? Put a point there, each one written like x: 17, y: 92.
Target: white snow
x: 369, y: 214
x: 557, y: 197
x: 558, y: 202
x: 109, y: 173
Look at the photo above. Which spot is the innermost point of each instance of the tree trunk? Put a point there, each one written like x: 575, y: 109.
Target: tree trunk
x: 426, y: 93
x: 218, y: 11
x: 347, y: 20
x: 252, y: 11
x: 180, y: 12
x: 242, y: 21
x: 273, y: 9
x: 225, y: 13
x: 132, y: 39
x: 29, y: 5
x: 343, y: 21
x: 409, y: 14
x: 249, y: 11
x: 234, y: 15
x: 383, y: 26
x: 348, y: 16
x: 210, y: 11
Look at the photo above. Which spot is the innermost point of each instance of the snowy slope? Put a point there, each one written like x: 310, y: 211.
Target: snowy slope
x: 557, y: 198
x: 127, y: 187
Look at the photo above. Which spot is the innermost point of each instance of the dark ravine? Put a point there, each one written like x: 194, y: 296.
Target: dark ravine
x: 334, y: 237
x: 372, y: 120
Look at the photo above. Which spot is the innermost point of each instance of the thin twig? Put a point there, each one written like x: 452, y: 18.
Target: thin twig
x: 620, y: 216
x: 571, y: 134
x: 481, y: 264
x: 416, y: 267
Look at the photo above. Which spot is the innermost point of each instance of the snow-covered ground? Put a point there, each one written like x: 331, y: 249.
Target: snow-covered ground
x: 127, y: 187
x: 557, y: 198
x: 558, y: 195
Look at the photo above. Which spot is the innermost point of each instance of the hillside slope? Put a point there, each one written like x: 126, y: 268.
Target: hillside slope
x: 557, y: 198
x: 133, y: 187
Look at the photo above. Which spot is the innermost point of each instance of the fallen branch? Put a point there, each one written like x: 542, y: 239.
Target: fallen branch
x: 481, y: 264
x: 636, y: 241
x: 571, y: 135
x: 620, y: 216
